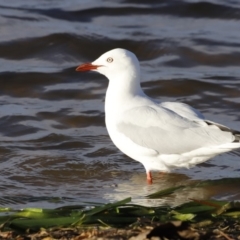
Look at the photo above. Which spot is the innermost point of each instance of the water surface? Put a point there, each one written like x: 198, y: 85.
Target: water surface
x: 54, y: 146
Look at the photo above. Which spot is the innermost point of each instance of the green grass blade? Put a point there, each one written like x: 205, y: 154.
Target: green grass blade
x: 164, y: 192
x: 235, y: 214
x: 108, y: 206
x: 36, y: 224
x: 196, y: 209
x: 182, y: 217
x: 228, y: 206
x: 109, y: 219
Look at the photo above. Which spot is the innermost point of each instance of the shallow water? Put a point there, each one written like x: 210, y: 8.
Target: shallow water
x: 54, y: 147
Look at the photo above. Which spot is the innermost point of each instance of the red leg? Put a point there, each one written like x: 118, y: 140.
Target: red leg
x: 149, y: 178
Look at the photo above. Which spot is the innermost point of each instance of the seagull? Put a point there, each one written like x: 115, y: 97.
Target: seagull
x: 161, y: 135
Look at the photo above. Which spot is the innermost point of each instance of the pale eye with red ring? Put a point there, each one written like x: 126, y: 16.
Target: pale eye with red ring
x: 110, y: 60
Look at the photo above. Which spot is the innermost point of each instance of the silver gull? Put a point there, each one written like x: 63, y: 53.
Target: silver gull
x: 161, y: 135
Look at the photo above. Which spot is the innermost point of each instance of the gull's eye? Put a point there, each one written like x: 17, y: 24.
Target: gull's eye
x: 110, y: 60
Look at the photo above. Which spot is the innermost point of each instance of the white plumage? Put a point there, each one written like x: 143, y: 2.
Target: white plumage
x: 162, y: 136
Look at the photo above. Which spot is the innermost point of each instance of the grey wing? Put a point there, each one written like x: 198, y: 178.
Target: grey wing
x: 168, y: 133
x: 183, y: 110
x: 191, y: 113
x: 225, y: 129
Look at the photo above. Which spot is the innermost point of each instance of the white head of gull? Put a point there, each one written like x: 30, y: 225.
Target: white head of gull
x: 162, y: 136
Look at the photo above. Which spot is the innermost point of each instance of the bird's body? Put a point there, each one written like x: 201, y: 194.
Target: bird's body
x: 162, y: 136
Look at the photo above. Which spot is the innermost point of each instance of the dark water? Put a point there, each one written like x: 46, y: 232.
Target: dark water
x: 54, y: 148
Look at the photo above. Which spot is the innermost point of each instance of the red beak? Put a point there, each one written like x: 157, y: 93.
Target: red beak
x: 86, y: 67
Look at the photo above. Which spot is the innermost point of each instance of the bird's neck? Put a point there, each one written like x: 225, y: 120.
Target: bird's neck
x: 121, y: 92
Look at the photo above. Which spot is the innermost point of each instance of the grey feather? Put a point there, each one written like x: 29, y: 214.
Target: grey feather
x: 168, y: 133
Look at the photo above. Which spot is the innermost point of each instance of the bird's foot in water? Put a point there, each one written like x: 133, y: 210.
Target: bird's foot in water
x: 149, y: 178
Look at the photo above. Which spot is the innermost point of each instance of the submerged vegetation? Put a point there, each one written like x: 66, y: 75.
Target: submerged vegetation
x: 197, y: 219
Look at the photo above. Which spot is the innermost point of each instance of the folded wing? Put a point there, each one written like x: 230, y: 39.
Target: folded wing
x: 166, y: 132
